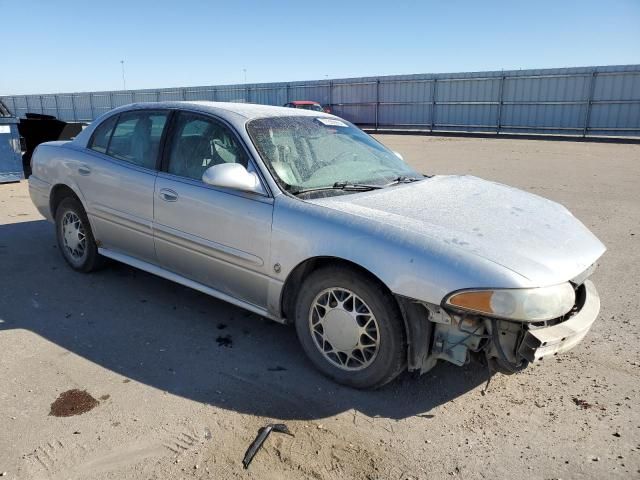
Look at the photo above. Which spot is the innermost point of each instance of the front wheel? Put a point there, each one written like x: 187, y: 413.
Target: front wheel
x: 350, y: 327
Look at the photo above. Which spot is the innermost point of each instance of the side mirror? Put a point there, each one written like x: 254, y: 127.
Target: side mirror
x: 232, y: 175
x: 399, y: 155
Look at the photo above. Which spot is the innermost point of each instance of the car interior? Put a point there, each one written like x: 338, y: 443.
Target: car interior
x: 136, y: 138
x: 199, y: 144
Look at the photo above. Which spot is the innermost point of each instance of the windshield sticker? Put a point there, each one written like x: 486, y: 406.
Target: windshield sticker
x: 332, y: 122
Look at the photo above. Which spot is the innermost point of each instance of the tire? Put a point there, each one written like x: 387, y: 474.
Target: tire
x: 353, y: 304
x: 81, y: 251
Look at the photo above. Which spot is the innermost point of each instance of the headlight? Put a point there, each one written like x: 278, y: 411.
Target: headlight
x: 526, y: 304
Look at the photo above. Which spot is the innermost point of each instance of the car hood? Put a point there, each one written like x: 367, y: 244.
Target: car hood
x: 530, y: 235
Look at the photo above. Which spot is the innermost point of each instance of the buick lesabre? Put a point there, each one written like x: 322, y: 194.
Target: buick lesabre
x: 302, y: 218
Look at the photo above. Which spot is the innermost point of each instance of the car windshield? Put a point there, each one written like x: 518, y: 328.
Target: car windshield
x: 309, y: 153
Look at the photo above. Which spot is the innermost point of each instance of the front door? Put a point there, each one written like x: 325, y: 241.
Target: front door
x: 214, y: 236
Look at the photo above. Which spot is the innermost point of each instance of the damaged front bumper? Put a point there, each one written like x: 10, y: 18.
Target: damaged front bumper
x: 544, y: 342
x: 513, y: 344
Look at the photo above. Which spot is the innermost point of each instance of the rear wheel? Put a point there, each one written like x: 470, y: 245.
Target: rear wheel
x: 350, y: 327
x: 75, y: 238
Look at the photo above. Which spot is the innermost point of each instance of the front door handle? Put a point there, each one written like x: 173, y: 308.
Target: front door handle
x: 84, y: 170
x: 168, y: 195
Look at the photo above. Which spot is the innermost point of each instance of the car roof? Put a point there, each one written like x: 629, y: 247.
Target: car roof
x: 304, y: 102
x: 247, y: 111
x: 237, y: 114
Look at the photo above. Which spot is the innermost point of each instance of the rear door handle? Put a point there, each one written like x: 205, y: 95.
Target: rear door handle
x: 84, y: 170
x: 168, y: 195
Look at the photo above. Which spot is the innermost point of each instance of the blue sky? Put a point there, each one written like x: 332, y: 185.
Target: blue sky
x: 65, y: 46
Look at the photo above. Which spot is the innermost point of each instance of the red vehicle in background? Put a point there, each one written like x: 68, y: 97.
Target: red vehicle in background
x: 308, y: 105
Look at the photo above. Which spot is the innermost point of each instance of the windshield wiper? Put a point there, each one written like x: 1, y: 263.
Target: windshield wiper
x: 345, y: 186
x: 356, y: 186
x: 402, y: 179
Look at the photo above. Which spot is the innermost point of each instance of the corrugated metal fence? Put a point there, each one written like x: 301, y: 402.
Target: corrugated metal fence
x: 584, y: 101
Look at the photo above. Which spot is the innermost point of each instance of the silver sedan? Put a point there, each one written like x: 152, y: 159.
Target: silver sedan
x: 302, y: 218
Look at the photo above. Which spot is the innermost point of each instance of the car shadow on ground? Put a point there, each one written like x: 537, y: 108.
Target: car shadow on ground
x: 181, y: 341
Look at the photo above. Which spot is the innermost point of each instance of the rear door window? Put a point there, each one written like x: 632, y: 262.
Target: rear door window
x: 136, y: 138
x: 102, y: 135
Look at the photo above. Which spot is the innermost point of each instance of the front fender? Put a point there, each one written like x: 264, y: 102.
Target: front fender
x: 409, y: 264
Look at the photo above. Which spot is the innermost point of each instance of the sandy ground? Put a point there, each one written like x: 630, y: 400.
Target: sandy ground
x: 174, y: 402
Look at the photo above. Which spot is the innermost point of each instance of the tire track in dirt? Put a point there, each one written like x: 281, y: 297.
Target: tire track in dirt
x: 56, y: 460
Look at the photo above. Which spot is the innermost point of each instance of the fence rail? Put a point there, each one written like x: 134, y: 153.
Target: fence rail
x: 587, y: 101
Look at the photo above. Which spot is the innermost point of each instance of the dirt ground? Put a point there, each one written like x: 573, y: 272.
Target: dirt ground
x: 177, y: 384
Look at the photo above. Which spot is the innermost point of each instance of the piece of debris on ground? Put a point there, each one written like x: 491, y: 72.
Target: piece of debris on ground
x: 581, y: 403
x: 263, y: 433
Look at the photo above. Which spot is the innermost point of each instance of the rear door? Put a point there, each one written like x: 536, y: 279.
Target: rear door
x: 118, y: 179
x: 215, y: 236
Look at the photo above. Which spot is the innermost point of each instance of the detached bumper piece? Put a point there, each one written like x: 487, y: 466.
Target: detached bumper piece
x: 262, y: 436
x: 547, y: 341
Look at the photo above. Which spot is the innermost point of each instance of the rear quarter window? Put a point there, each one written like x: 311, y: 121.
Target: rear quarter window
x: 102, y: 134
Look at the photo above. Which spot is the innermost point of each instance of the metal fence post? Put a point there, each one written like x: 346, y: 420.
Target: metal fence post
x: 587, y: 115
x: 500, y: 102
x: 93, y: 114
x: 183, y: 93
x: 41, y: 104
x: 377, y: 103
x: 73, y: 106
x: 55, y: 98
x: 434, y: 92
x: 26, y: 101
